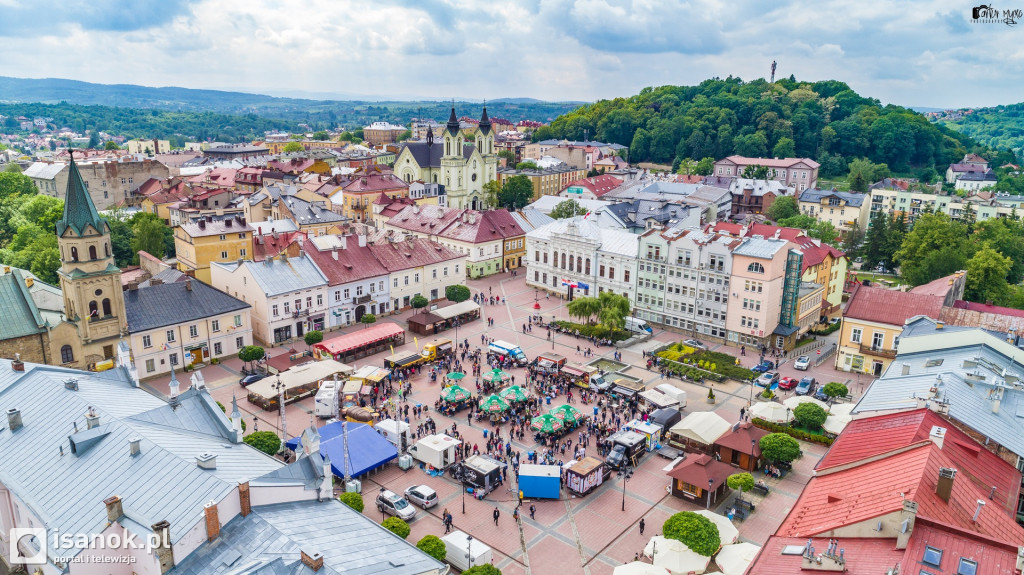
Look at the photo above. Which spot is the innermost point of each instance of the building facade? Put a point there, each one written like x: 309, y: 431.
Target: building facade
x: 417, y: 266
x: 797, y: 173
x: 545, y: 181
x: 580, y: 251
x: 198, y: 244
x: 108, y: 181
x: 844, y: 210
x: 357, y: 284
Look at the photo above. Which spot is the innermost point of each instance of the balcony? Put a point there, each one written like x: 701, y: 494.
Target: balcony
x: 877, y: 351
x: 361, y: 299
x: 300, y: 312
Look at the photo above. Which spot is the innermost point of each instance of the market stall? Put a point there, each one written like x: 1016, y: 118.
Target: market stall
x: 367, y: 449
x: 298, y: 382
x: 585, y: 475
x: 650, y: 431
x: 437, y: 451
x: 362, y: 343
x: 698, y: 431
x: 540, y: 481
x: 454, y: 398
x: 657, y: 400
x: 480, y: 472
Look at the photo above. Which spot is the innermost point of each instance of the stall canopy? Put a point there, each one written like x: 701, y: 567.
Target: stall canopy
x: 367, y: 448
x: 299, y: 376
x: 658, y: 399
x: 701, y: 426
x: 727, y: 532
x: 575, y: 371
x: 361, y: 338
x: 456, y: 310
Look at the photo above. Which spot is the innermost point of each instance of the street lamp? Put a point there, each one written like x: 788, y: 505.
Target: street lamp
x: 536, y: 298
x: 383, y: 515
x: 461, y: 477
x: 753, y: 455
x: 711, y: 483
x: 625, y: 474
x: 279, y: 387
x: 469, y: 550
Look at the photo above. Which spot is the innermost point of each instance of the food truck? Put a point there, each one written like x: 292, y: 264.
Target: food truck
x: 549, y: 362
x: 585, y: 475
x: 437, y: 349
x: 626, y: 386
x: 585, y: 376
x: 437, y: 451
x: 651, y: 432
x: 512, y: 351
x: 627, y: 448
x: 370, y: 375
x: 480, y: 472
x: 350, y: 393
x: 397, y: 432
x: 540, y: 481
x: 403, y: 360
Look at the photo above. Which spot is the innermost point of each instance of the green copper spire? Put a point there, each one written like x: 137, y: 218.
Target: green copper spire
x: 79, y: 210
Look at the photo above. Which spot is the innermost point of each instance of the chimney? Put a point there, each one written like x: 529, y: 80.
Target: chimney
x: 334, y: 254
x: 362, y: 240
x: 327, y: 487
x: 135, y: 446
x: 29, y: 282
x: 907, y: 518
x: 977, y: 511
x: 114, y: 508
x: 92, y: 419
x: 939, y: 325
x: 71, y: 384
x: 944, y: 488
x: 133, y: 286
x: 164, y: 552
x: 206, y: 461
x: 212, y: 520
x: 314, y: 561
x: 937, y: 435
x: 202, y: 224
x: 244, y: 503
x: 17, y: 364
x: 14, y: 419
x: 227, y: 223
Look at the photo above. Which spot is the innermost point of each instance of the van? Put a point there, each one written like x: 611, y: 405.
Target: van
x: 506, y: 349
x: 437, y: 349
x: 637, y: 325
x: 627, y: 447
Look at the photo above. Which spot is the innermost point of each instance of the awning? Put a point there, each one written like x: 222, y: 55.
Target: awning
x: 572, y: 371
x: 625, y: 391
x: 366, y: 448
x: 456, y: 310
x: 361, y: 338
x: 658, y: 399
x: 785, y: 330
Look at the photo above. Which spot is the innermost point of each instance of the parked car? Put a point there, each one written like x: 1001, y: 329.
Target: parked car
x: 422, y: 495
x: 819, y: 394
x: 763, y: 366
x: 802, y: 363
x: 251, y: 378
x: 806, y: 386
x: 396, y: 505
x: 695, y: 344
x: 788, y: 383
x: 768, y: 378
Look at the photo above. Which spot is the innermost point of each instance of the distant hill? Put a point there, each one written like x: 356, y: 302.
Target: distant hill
x: 1000, y: 127
x: 316, y: 113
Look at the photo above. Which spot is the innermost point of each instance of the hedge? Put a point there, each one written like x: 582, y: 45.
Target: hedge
x: 598, y: 331
x: 353, y: 500
x: 712, y: 365
x: 832, y: 327
x: 793, y: 432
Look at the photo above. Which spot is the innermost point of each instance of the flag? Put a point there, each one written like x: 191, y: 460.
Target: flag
x: 568, y: 282
x: 417, y: 341
x: 392, y: 349
x: 586, y: 215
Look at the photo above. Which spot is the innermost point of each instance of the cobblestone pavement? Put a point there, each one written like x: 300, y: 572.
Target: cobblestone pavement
x: 572, y: 535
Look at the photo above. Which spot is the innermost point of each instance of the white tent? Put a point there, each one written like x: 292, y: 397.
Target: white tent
x: 702, y: 426
x: 456, y: 309
x: 735, y: 559
x: 771, y: 411
x: 838, y: 418
x: 638, y: 568
x: 842, y: 409
x: 675, y: 556
x: 727, y: 532
x: 796, y: 400
x: 661, y: 542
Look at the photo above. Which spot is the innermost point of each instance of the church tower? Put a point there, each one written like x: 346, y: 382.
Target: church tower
x: 453, y: 163
x: 89, y: 278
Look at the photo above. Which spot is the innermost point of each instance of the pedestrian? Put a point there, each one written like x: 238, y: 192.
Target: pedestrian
x: 496, y: 515
x: 743, y: 413
x: 641, y: 526
x: 533, y: 509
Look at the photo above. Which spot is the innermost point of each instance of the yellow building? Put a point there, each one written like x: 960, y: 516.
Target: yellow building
x: 278, y: 147
x: 211, y: 240
x: 546, y: 181
x: 843, y: 210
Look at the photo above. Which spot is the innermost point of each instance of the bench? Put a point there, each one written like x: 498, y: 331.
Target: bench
x: 762, y: 489
x: 739, y: 513
x: 743, y: 504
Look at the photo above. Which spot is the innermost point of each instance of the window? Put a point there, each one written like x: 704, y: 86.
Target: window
x: 193, y: 331
x: 173, y: 359
x: 319, y: 299
x: 92, y: 253
x: 309, y: 302
x: 150, y: 366
x: 241, y: 253
x: 406, y: 280
x: 223, y: 237
x: 600, y: 270
x: 67, y: 355
x: 456, y: 269
x: 238, y: 320
x: 106, y: 307
x: 967, y: 567
x: 147, y: 341
x: 536, y: 255
x: 625, y: 276
x: 932, y: 556
x: 545, y: 257
x: 239, y: 342
x: 170, y: 336
x: 611, y: 273
x: 416, y: 277
x: 434, y: 273
x: 74, y: 254
x: 877, y: 340
x: 274, y: 309
x: 217, y: 349
x: 756, y: 268
x: 346, y: 293
x: 215, y: 325
x: 287, y: 308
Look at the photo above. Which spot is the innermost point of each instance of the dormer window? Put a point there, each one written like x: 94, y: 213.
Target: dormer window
x: 755, y: 268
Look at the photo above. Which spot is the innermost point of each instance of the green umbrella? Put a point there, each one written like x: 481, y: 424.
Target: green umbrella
x: 455, y: 376
x: 546, y: 423
x: 493, y: 404
x: 513, y: 393
x: 566, y: 413
x: 495, y: 376
x: 454, y: 393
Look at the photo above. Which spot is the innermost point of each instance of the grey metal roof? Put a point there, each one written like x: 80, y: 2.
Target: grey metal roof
x: 173, y: 303
x: 853, y: 199
x: 269, y: 540
x: 612, y: 241
x: 530, y: 219
x: 44, y: 170
x: 276, y: 277
x: 311, y: 213
x: 168, y: 276
x: 763, y: 248
x: 429, y: 156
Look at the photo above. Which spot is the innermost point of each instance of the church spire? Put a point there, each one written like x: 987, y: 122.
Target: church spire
x: 453, y: 122
x: 430, y: 136
x: 485, y: 122
x: 79, y: 211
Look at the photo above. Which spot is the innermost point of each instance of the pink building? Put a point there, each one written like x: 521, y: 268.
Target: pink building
x: 798, y: 173
x: 757, y: 287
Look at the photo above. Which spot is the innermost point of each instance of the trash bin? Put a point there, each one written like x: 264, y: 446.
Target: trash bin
x: 485, y: 434
x: 548, y: 400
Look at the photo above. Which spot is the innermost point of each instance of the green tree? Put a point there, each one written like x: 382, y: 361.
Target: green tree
x: 367, y: 319
x: 266, y: 441
x: 927, y: 175
x: 457, y: 293
x: 783, y: 207
x: 779, y: 447
x: 251, y: 353
x: 516, y: 192
x: 784, y: 148
x: 858, y: 183
x: 614, y: 310
x: 509, y: 155
x: 433, y: 546
x: 419, y: 302
x: 94, y: 140
x: 353, y: 500
x: 685, y: 166
x: 755, y: 172
x: 14, y: 184
x: 852, y: 239
x: 705, y: 166
x: 751, y: 145
x: 527, y: 165
x: 398, y: 526
x: 43, y: 211
x: 111, y: 145
x: 694, y: 530
x: 741, y: 482
x: 293, y: 147
x: 986, y: 276
x: 148, y: 236
x: 404, y: 136
x: 491, y: 190
x: 567, y: 209
x: 835, y: 389
x: 584, y: 308
x: 45, y: 265
x: 12, y: 168
x: 313, y: 337
x: 321, y: 135
x: 1006, y: 236
x: 936, y: 246
x: 810, y: 415
x: 869, y: 171
x: 486, y: 568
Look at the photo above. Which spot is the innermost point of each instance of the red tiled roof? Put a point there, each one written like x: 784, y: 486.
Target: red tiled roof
x: 992, y: 558
x: 354, y: 263
x: 375, y: 182
x: 815, y: 251
x: 863, y: 556
x: 221, y: 176
x: 874, y: 436
x: 372, y: 334
x: 407, y: 254
x: 939, y: 287
x: 739, y: 440
x: 985, y: 308
x: 598, y: 185
x: 697, y: 470
x: 892, y: 307
x: 460, y: 225
x: 267, y: 246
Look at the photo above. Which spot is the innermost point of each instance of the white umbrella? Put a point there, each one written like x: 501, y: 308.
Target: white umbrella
x: 835, y: 424
x: 638, y: 568
x: 682, y: 561
x: 661, y: 543
x: 796, y: 400
x: 735, y: 559
x: 727, y: 532
x: 771, y: 411
x: 842, y: 409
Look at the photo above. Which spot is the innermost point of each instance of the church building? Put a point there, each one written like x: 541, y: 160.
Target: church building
x: 461, y: 162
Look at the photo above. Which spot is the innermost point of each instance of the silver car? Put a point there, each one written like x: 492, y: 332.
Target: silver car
x: 802, y: 363
x: 422, y: 495
x: 396, y: 505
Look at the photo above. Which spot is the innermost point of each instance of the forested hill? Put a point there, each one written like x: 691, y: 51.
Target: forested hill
x: 826, y: 121
x: 999, y: 127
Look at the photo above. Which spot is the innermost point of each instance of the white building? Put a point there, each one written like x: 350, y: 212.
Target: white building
x: 580, y: 250
x: 418, y: 267
x: 357, y: 284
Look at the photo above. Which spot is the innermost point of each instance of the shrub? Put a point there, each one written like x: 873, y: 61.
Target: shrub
x: 266, y: 441
x: 835, y: 389
x: 457, y: 293
x: 397, y: 526
x: 767, y: 393
x: 741, y: 481
x: 485, y: 569
x: 830, y: 328
x: 696, y: 531
x: 711, y: 393
x: 433, y: 546
x: 353, y: 500
x: 810, y: 415
x: 793, y: 432
x: 215, y: 361
x: 779, y: 447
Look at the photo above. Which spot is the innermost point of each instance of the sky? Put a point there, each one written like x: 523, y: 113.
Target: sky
x: 911, y: 53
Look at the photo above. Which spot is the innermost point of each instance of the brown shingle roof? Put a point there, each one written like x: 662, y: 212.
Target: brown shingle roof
x: 891, y: 307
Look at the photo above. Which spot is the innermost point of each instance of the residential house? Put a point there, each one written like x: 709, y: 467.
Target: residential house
x: 380, y: 133
x: 315, y: 218
x: 272, y: 237
x: 590, y: 188
x: 428, y: 194
x: 911, y: 204
x: 147, y: 147
x: 417, y: 266
x: 874, y: 318
x: 216, y: 202
x: 355, y: 197
x: 185, y: 323
x: 108, y: 181
x: 357, y: 284
x: 971, y: 164
x: 976, y: 181
x: 844, y: 210
x: 545, y: 181
x: 714, y: 201
x: 159, y: 196
x: 755, y: 196
x: 766, y: 283
x: 249, y: 179
x: 288, y: 295
x: 199, y: 243
x: 235, y: 151
x: 580, y: 250
x: 31, y: 307
x: 797, y: 173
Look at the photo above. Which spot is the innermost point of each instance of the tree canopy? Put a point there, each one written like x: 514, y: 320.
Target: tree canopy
x: 696, y: 531
x: 516, y: 192
x: 782, y: 208
x: 779, y: 447
x: 567, y: 209
x: 398, y: 526
x: 810, y: 415
x: 433, y: 546
x: 456, y: 293
x: 266, y: 441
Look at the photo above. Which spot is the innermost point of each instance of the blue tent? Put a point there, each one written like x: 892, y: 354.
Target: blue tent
x: 368, y: 448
